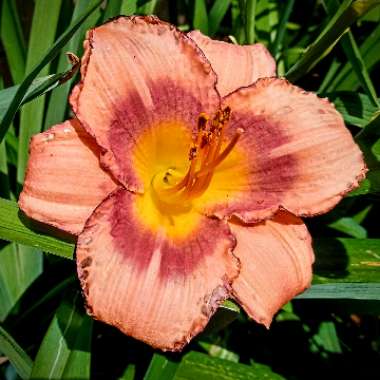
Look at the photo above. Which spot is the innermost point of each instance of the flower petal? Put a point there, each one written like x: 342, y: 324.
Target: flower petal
x: 64, y: 182
x: 236, y: 66
x: 276, y: 259
x: 156, y: 288
x: 139, y: 73
x: 298, y: 154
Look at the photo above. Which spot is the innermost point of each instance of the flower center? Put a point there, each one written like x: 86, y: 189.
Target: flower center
x: 172, y: 187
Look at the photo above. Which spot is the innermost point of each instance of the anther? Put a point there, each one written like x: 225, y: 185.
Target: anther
x: 226, y: 114
x: 204, y: 141
x: 202, y: 121
x: 192, y: 153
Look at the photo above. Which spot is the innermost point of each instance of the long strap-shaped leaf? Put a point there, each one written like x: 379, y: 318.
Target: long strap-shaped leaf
x: 50, y: 54
x: 38, y: 87
x: 345, y: 16
x: 16, y: 355
x: 16, y: 227
x: 65, y: 352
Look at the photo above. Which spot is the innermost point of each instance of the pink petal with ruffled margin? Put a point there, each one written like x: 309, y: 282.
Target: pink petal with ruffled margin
x: 138, y: 73
x: 276, y: 264
x: 155, y: 288
x: 236, y: 66
x: 64, y: 182
x: 299, y: 154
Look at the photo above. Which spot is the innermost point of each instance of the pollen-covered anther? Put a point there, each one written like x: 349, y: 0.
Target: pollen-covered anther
x: 205, y: 155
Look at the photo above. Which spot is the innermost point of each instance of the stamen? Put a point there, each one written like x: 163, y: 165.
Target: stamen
x: 204, y: 156
x: 227, y: 150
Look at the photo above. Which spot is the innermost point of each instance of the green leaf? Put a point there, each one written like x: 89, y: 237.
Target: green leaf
x: 354, y: 291
x: 282, y: 27
x: 346, y: 15
x: 200, y: 18
x: 195, y: 365
x: 346, y: 78
x: 49, y: 55
x: 14, y: 226
x: 41, y: 38
x: 220, y: 352
x: 250, y: 19
x: 13, y: 39
x: 161, y: 367
x: 65, y: 351
x: 129, y: 372
x: 370, y: 133
x: 112, y: 9
x: 128, y: 7
x: 38, y: 87
x: 146, y: 7
x: 369, y: 141
x: 19, y: 267
x: 356, y: 108
x: 350, y: 227
x: 353, y: 54
x: 16, y: 355
x: 47, y: 297
x: 217, y: 14
x: 58, y: 99
x: 267, y: 19
x: 4, y: 180
x: 326, y: 339
x: 370, y: 185
x: 346, y: 260
x: 227, y: 312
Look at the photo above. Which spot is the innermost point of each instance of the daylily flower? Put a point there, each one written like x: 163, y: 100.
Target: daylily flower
x: 184, y: 176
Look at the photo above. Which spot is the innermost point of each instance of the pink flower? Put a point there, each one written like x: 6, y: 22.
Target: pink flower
x: 184, y: 175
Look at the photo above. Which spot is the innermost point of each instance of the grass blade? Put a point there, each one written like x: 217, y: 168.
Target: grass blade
x: 38, y: 87
x: 356, y: 108
x: 112, y: 9
x: 128, y: 7
x: 346, y: 260
x: 347, y: 291
x: 161, y: 367
x: 14, y: 226
x: 196, y: 365
x: 346, y: 15
x: 267, y: 19
x: 250, y: 18
x: 346, y: 79
x: 353, y: 54
x: 58, y: 100
x: 19, y: 267
x: 216, y: 15
x: 13, y: 39
x: 4, y: 180
x: 41, y: 37
x: 146, y: 7
x: 282, y: 27
x: 200, y: 18
x: 50, y: 54
x: 65, y: 351
x: 16, y: 355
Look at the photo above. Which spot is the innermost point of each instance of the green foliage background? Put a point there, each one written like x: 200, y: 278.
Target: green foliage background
x: 331, y: 47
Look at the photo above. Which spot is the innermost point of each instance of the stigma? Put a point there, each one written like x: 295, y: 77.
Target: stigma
x: 209, y: 149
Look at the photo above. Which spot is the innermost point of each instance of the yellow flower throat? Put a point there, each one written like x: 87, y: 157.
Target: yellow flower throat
x: 171, y: 187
